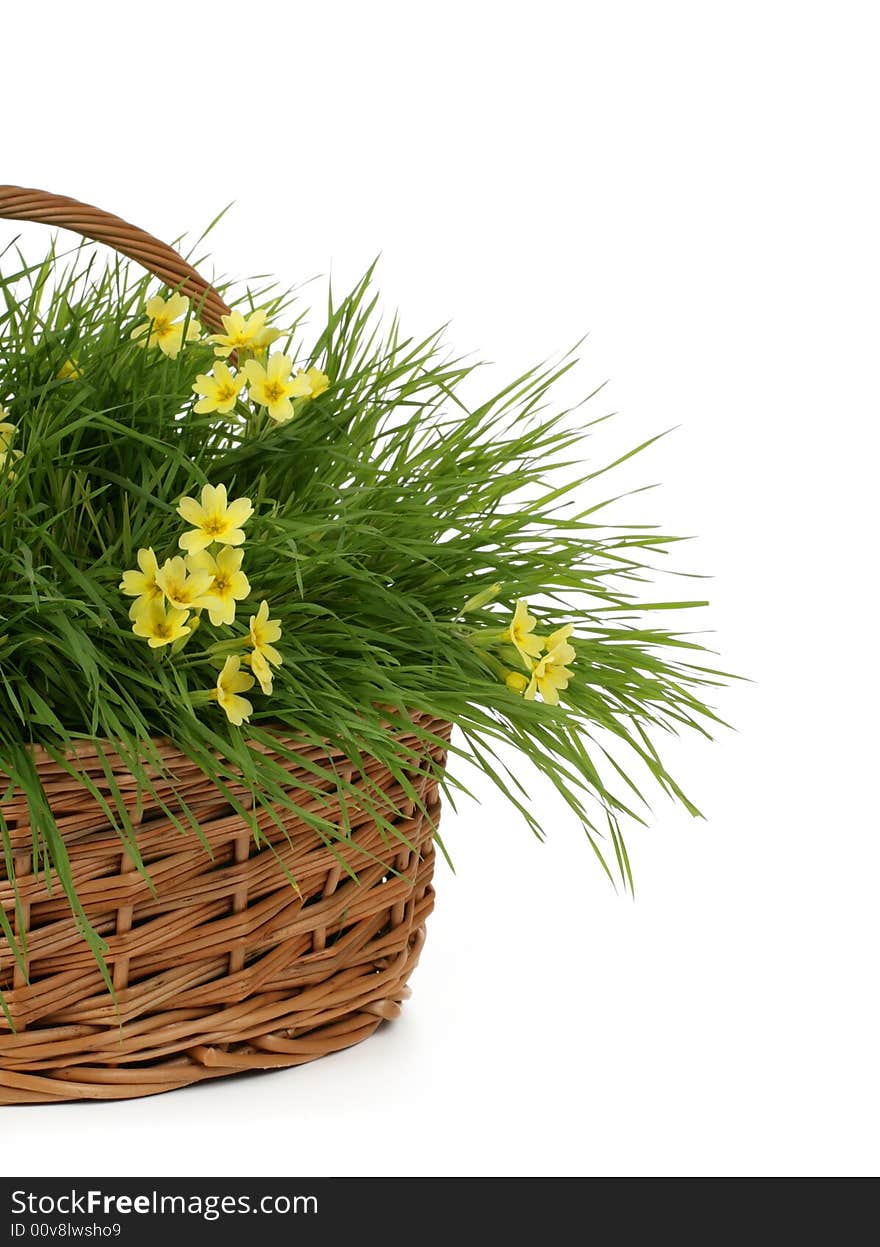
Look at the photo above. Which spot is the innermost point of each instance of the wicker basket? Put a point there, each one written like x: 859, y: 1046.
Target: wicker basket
x: 223, y: 966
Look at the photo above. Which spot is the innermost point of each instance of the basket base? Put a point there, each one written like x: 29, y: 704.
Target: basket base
x: 280, y: 1042
x: 224, y: 966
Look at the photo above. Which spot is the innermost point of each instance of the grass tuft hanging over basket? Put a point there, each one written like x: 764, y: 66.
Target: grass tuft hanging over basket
x: 250, y: 580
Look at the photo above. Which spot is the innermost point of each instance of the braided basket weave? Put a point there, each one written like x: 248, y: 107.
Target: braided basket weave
x: 223, y: 966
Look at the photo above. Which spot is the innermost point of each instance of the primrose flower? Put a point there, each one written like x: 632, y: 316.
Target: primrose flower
x: 185, y: 590
x: 7, y: 454
x: 7, y: 458
x: 264, y: 631
x: 317, y: 381
x: 165, y: 327
x: 521, y: 634
x: 560, y: 637
x: 227, y: 582
x: 7, y: 432
x: 252, y: 334
x: 219, y: 390
x: 551, y: 674
x: 232, y: 681
x: 158, y: 626
x: 70, y: 370
x: 273, y: 387
x: 213, y: 519
x: 142, y: 585
x: 261, y: 669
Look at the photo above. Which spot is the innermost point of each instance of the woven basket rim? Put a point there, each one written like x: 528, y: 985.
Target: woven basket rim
x: 88, y: 747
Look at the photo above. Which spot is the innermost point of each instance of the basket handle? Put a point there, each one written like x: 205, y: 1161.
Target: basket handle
x: 18, y: 203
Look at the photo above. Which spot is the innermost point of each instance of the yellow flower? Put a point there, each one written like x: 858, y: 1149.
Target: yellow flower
x: 317, y: 381
x: 228, y: 583
x: 8, y: 456
x: 521, y: 634
x: 184, y: 590
x: 560, y: 637
x: 70, y: 370
x: 158, y: 626
x: 252, y: 334
x: 516, y: 681
x: 220, y: 390
x: 142, y: 584
x: 261, y: 669
x: 165, y: 327
x: 7, y: 433
x: 551, y: 674
x: 213, y: 519
x: 232, y: 681
x: 263, y: 632
x: 273, y: 387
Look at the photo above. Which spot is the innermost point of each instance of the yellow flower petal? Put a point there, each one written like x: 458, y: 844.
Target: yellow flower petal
x: 262, y: 671
x: 281, y: 411
x: 255, y: 373
x: 319, y: 382
x: 156, y: 308
x: 190, y: 510
x: 300, y: 386
x: 214, y: 498
x: 195, y: 541
x: 278, y: 367
x: 239, y: 512
x: 230, y: 683
x: 176, y: 306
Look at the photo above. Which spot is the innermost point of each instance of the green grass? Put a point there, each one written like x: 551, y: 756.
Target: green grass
x: 379, y: 510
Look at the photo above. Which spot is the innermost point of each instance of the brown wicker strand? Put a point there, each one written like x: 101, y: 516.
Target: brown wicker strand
x: 22, y: 204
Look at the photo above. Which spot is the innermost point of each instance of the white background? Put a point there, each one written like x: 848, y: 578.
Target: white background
x: 694, y: 185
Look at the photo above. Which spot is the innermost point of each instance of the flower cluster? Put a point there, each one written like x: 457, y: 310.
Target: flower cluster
x: 271, y: 385
x: 169, y: 599
x: 271, y: 381
x: 208, y: 576
x: 545, y: 659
